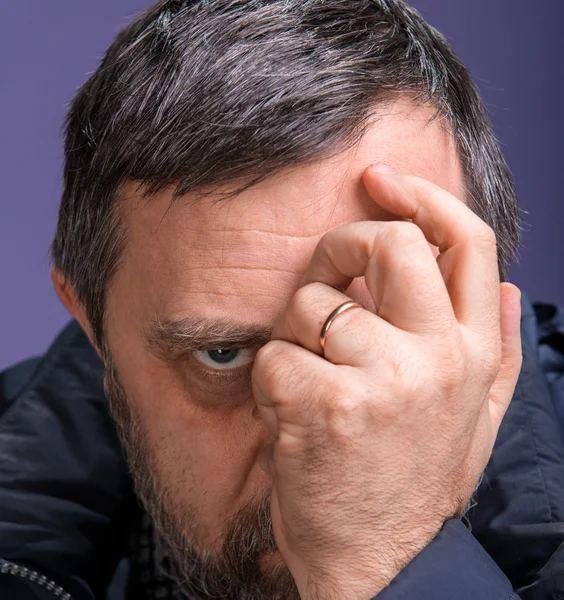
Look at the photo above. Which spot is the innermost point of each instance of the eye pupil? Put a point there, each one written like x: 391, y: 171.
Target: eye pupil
x: 222, y: 356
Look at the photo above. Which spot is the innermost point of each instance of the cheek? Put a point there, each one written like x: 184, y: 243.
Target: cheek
x: 207, y: 460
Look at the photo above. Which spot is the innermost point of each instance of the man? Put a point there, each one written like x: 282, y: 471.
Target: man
x: 285, y: 230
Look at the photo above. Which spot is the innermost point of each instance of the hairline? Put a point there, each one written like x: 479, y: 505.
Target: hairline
x: 120, y: 195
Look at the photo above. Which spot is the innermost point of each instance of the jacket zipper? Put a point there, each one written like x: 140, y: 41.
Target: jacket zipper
x: 10, y: 568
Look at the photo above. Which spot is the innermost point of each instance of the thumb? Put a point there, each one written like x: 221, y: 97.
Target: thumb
x: 503, y: 388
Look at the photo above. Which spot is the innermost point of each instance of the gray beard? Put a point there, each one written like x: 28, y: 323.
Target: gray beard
x: 235, y: 574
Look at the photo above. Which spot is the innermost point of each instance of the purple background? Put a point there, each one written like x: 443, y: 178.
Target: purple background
x: 47, y: 48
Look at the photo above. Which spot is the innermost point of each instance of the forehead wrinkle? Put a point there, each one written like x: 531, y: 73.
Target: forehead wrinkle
x: 246, y: 268
x: 265, y: 231
x: 227, y: 295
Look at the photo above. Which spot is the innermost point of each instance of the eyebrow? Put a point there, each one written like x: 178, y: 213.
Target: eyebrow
x: 173, y: 336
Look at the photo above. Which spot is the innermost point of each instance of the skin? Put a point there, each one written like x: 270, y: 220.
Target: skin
x: 218, y: 445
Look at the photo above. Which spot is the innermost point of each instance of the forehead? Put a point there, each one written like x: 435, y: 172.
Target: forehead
x: 249, y: 252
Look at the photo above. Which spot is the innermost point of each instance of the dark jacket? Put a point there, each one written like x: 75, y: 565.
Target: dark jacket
x: 67, y: 504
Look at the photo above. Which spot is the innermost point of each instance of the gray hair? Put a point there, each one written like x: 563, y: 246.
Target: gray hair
x: 212, y: 92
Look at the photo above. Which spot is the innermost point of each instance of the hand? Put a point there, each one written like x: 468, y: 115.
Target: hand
x: 381, y: 441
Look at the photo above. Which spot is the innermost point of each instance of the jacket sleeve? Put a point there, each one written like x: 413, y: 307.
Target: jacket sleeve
x: 453, y: 565
x: 64, y: 484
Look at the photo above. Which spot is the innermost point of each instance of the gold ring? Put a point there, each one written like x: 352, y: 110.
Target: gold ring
x: 340, y: 309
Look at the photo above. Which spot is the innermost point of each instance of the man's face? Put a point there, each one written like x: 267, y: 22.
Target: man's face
x: 199, y: 288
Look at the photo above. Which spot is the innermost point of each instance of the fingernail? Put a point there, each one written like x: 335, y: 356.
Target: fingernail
x: 384, y: 169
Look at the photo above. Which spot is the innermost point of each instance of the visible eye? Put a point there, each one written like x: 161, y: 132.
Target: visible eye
x: 223, y: 360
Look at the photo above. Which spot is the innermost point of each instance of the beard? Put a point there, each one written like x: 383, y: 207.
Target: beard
x: 248, y: 566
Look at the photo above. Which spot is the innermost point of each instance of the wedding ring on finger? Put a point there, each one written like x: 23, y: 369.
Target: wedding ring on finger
x: 339, y: 310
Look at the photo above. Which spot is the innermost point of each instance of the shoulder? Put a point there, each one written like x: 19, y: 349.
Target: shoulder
x: 69, y: 360
x: 66, y: 492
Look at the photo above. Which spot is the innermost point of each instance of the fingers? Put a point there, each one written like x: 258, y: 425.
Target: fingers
x: 468, y: 259
x: 304, y: 317
x: 503, y: 388
x: 399, y: 268
x: 283, y: 395
x: 356, y: 337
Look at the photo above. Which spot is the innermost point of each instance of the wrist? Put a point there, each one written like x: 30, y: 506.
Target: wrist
x: 364, y: 573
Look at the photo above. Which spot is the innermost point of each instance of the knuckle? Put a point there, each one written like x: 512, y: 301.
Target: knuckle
x: 355, y: 407
x: 262, y: 356
x: 267, y: 363
x: 487, y: 237
x: 430, y: 190
x: 327, y: 239
x: 487, y: 358
x: 304, y: 297
x: 452, y: 372
x: 344, y: 409
x: 404, y: 233
x: 449, y: 383
x: 491, y: 363
x: 412, y: 265
x: 326, y: 246
x: 281, y: 374
x: 406, y: 367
